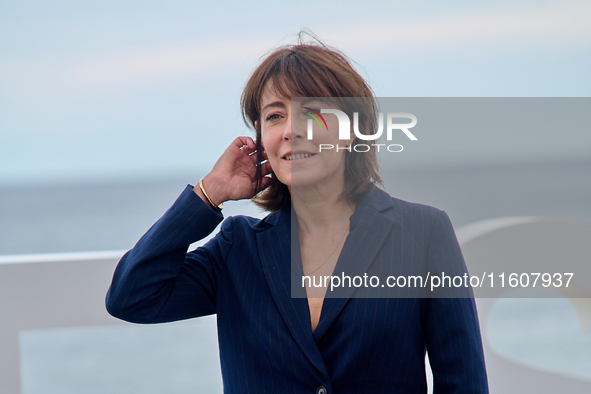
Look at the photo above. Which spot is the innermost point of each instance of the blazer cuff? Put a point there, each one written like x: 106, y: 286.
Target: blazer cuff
x: 187, y: 221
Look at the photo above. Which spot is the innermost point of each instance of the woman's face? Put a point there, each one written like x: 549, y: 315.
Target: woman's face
x: 295, y: 160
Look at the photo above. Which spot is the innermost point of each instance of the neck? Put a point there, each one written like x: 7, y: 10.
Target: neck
x: 321, y: 210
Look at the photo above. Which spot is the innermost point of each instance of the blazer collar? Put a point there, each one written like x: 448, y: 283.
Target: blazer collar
x: 370, y: 225
x: 374, y: 200
x: 274, y: 247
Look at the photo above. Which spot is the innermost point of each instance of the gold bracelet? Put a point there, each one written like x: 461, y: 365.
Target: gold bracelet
x: 218, y: 208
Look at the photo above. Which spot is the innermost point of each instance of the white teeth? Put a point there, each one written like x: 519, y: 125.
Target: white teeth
x: 298, y: 156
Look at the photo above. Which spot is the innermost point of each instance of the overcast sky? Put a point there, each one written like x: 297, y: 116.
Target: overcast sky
x: 101, y: 90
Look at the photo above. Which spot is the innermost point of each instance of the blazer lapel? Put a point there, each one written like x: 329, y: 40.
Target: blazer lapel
x: 274, y: 247
x: 371, y: 224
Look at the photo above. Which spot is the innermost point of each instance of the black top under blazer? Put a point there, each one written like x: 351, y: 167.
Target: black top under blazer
x: 361, y: 345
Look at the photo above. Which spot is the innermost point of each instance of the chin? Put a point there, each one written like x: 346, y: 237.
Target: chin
x: 301, y: 182
x: 296, y: 180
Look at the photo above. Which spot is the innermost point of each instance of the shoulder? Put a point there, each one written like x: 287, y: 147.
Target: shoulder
x: 242, y: 235
x: 243, y: 223
x: 409, y: 208
x: 408, y: 220
x: 400, y: 209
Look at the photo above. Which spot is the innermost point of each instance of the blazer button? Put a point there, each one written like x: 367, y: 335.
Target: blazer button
x: 321, y: 390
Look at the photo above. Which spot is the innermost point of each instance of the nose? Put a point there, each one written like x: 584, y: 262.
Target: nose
x: 295, y: 127
x: 287, y: 130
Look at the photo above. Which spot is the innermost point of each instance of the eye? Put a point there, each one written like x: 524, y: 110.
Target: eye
x: 272, y: 117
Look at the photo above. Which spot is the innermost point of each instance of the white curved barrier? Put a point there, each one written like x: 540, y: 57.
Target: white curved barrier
x: 533, y: 245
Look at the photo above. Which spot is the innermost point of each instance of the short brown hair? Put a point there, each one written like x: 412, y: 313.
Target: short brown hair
x: 312, y: 70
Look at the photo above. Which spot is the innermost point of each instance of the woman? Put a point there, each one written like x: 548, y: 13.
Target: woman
x: 325, y: 205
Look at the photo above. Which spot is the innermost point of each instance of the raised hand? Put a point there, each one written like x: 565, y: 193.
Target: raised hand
x: 233, y: 175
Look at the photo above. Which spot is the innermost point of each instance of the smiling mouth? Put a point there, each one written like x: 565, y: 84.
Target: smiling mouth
x: 298, y: 156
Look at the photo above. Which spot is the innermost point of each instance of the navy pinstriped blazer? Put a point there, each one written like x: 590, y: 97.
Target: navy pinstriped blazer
x: 361, y: 345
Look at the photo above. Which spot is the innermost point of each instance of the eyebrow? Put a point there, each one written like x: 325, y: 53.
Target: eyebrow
x: 275, y: 104
x: 318, y: 100
x: 307, y: 101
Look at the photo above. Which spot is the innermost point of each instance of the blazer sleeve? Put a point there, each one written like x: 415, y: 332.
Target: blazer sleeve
x: 158, y: 281
x: 453, y: 336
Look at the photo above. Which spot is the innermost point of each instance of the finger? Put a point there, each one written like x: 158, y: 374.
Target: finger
x: 253, y: 158
x: 266, y: 168
x: 266, y: 182
x: 242, y: 141
x: 248, y: 146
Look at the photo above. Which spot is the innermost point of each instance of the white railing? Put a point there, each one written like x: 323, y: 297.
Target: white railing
x: 68, y: 290
x: 47, y: 291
